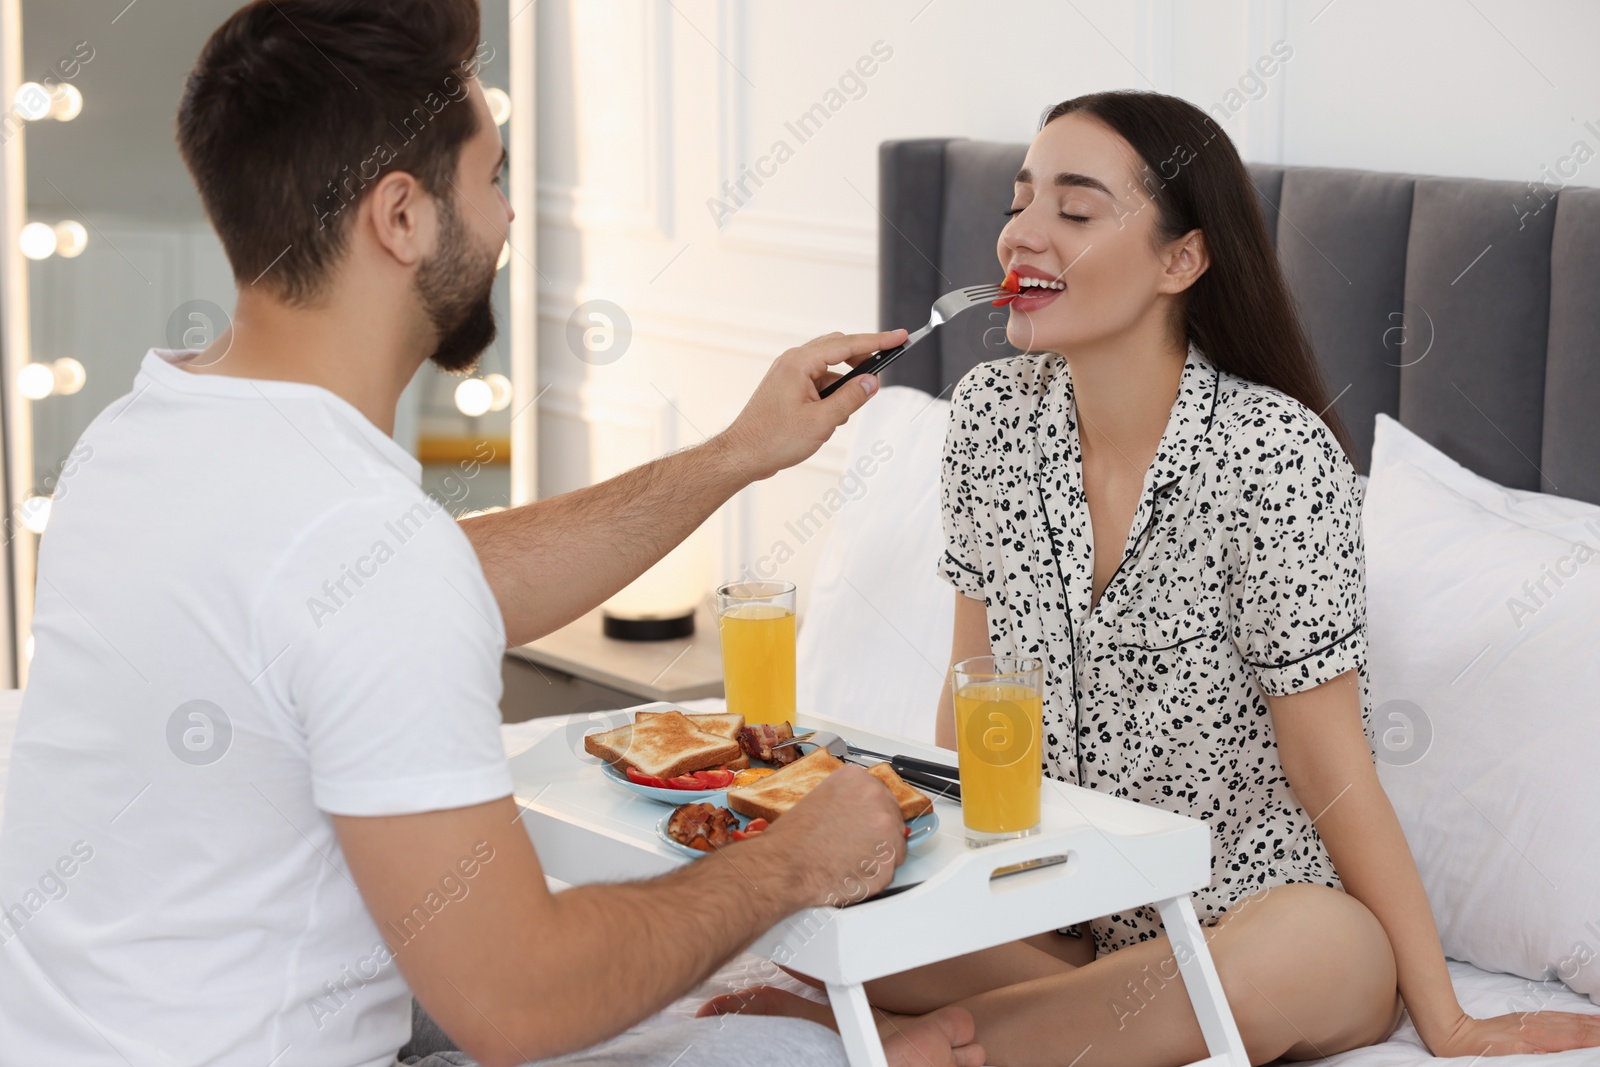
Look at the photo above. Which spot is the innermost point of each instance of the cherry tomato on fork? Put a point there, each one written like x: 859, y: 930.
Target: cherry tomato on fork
x: 1012, y: 285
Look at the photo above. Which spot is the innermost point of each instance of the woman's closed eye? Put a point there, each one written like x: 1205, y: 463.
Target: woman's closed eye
x: 1061, y: 214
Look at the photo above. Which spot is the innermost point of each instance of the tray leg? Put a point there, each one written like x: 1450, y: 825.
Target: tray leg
x: 1201, y: 980
x: 856, y: 1025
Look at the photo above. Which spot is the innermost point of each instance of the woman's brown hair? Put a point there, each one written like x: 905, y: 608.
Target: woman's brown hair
x: 1239, y: 312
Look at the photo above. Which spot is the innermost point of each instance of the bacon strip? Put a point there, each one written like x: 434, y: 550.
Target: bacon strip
x: 757, y: 740
x: 702, y: 826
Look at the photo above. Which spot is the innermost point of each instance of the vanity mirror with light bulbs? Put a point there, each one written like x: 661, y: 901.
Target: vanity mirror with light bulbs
x: 107, y: 253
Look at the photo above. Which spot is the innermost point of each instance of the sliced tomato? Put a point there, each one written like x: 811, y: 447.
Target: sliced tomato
x: 756, y: 826
x: 1012, y: 285
x: 718, y: 779
x: 684, y: 781
x: 908, y: 831
x: 645, y: 779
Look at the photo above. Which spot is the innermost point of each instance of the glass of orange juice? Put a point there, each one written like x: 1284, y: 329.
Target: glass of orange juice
x: 756, y: 621
x: 999, y: 704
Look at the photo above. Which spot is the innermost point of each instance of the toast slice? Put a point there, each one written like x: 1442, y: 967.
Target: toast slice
x: 664, y: 746
x: 777, y: 793
x: 912, y: 801
x: 723, y: 725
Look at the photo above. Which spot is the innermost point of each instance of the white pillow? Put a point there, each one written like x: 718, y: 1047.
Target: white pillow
x: 875, y: 641
x: 1484, y: 611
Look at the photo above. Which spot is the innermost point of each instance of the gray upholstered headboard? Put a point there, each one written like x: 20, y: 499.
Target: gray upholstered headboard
x: 1467, y: 309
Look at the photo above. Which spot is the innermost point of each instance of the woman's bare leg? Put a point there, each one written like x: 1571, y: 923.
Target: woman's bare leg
x: 1308, y: 972
x: 923, y: 989
x: 926, y: 988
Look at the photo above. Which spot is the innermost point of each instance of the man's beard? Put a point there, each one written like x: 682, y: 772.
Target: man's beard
x: 456, y: 285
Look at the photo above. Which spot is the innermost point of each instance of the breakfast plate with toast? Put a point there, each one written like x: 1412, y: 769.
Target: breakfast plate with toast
x: 676, y: 757
x: 697, y: 828
x: 725, y: 779
x: 671, y: 757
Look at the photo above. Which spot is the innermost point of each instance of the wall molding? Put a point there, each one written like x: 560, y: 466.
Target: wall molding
x: 1264, y: 119
x: 795, y: 237
x: 583, y: 208
x: 771, y: 233
x: 1153, y: 43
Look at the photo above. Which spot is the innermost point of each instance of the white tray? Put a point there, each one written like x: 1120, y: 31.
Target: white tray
x: 1119, y: 855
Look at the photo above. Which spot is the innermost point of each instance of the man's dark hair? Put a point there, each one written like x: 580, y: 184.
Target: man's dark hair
x: 296, y: 107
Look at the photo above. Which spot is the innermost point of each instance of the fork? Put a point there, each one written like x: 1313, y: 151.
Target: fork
x: 945, y: 308
x: 831, y: 741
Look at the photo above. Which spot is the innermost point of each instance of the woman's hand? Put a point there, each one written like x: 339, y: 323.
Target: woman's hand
x: 1531, y: 1031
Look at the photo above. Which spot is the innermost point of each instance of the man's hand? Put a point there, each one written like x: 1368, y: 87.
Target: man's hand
x: 849, y: 835
x: 785, y: 420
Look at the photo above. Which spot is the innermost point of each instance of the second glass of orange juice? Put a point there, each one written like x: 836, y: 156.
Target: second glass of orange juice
x: 999, y: 708
x: 756, y: 621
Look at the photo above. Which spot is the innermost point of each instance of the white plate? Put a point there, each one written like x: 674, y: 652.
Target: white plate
x: 922, y: 828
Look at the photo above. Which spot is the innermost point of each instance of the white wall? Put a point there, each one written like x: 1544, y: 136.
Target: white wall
x: 647, y: 107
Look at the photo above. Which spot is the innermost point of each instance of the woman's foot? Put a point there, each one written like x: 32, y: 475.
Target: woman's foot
x: 941, y: 1038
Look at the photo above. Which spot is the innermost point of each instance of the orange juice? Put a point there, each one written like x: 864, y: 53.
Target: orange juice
x: 997, y: 739
x: 758, y: 661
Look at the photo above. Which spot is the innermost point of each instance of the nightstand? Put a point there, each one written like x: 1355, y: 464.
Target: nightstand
x: 577, y: 668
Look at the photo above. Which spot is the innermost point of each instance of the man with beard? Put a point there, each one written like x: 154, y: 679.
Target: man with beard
x: 257, y: 797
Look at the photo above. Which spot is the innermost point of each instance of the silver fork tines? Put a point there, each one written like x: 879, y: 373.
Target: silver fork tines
x: 944, y: 309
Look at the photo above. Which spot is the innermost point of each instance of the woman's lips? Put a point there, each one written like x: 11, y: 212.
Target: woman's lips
x: 1034, y: 298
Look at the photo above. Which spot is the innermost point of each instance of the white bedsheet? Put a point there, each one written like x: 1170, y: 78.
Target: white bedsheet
x: 1480, y: 992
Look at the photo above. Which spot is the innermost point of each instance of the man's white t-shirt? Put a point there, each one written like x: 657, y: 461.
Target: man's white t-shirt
x: 249, y: 617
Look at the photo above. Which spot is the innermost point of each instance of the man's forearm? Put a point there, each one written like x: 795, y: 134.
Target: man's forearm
x: 668, y: 934
x: 553, y: 560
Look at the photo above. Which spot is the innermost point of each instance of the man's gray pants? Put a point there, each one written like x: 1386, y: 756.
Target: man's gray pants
x: 723, y: 1041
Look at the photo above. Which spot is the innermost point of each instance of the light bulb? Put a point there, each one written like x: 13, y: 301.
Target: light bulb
x: 68, y: 103
x: 69, y: 375
x: 38, y: 240
x: 71, y: 238
x: 35, y: 513
x: 499, y: 105
x: 505, y: 256
x: 473, y: 396
x: 32, y: 101
x: 27, y: 649
x: 499, y: 391
x: 36, y: 381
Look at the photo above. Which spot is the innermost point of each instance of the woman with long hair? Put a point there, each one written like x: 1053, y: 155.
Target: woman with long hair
x: 1155, y: 500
